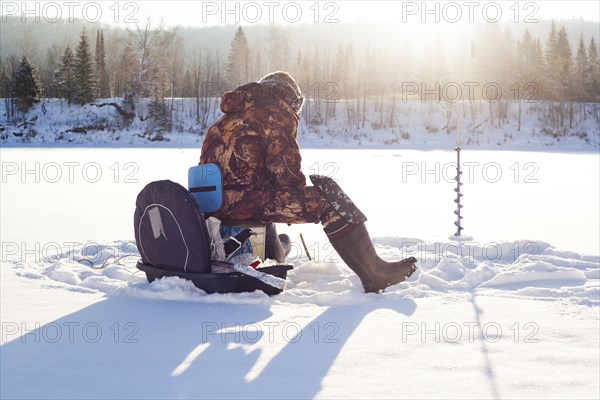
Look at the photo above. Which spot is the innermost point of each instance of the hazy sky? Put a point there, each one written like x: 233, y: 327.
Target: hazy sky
x: 199, y: 13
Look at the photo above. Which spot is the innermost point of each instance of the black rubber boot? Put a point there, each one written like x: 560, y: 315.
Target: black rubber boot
x: 354, y: 245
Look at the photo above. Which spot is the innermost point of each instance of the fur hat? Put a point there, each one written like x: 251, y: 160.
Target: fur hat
x: 284, y: 86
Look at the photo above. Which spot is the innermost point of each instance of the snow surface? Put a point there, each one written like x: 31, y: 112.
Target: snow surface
x: 513, y: 313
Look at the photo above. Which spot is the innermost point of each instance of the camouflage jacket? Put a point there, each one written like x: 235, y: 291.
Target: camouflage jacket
x: 254, y: 144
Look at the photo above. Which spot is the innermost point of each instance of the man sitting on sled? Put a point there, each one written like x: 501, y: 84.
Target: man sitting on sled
x: 255, y: 146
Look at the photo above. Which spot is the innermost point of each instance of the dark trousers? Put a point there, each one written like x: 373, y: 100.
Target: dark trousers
x: 273, y: 247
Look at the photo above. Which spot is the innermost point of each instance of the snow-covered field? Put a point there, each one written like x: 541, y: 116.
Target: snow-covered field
x: 514, y: 313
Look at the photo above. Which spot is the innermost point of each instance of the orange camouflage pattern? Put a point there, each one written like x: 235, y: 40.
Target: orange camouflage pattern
x: 255, y: 146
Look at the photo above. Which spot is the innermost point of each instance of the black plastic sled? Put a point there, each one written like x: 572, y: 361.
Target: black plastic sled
x: 172, y: 238
x: 228, y: 282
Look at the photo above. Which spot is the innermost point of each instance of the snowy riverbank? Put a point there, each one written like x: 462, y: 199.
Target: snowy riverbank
x: 412, y: 124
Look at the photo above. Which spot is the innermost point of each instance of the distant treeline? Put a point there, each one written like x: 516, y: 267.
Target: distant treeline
x: 152, y: 61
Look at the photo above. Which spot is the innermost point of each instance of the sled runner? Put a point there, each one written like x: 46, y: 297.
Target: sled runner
x: 229, y: 282
x: 173, y: 240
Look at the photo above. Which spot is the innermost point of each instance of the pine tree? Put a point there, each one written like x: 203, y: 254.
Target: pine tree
x: 525, y: 51
x: 98, y: 60
x: 48, y: 71
x: 64, y: 79
x: 125, y: 75
x: 565, y: 73
x: 238, y: 61
x: 551, y: 71
x: 581, y: 71
x: 188, y: 84
x: 158, y: 111
x: 564, y: 54
x: 4, y: 81
x: 551, y: 43
x: 593, y: 84
x: 532, y: 88
x: 25, y: 86
x: 525, y: 48
x: 537, y: 61
x: 506, y: 72
x: 102, y: 72
x: 84, y: 88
